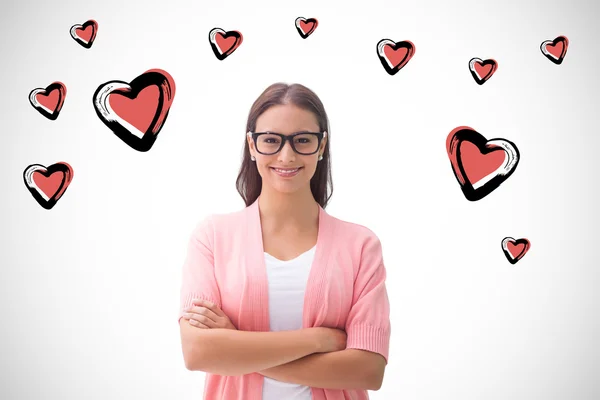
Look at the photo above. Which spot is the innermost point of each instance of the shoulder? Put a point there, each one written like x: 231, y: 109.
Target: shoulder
x: 353, y: 232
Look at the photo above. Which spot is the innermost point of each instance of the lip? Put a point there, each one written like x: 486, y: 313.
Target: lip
x: 286, y: 177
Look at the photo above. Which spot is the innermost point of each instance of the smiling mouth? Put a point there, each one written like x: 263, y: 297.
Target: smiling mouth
x: 284, y: 172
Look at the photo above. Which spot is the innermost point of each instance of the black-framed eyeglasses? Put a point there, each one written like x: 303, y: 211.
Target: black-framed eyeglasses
x: 304, y: 143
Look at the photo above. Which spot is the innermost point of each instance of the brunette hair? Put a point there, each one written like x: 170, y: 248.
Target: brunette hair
x: 249, y: 181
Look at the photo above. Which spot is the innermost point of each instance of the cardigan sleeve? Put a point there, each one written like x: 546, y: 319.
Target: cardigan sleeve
x: 368, y: 324
x: 198, y: 275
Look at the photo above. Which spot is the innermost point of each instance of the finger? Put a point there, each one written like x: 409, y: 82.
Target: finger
x: 198, y: 324
x: 211, y: 306
x: 203, y: 311
x: 201, y: 318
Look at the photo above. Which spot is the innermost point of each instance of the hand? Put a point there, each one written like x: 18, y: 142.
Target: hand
x: 206, y: 315
x: 331, y: 339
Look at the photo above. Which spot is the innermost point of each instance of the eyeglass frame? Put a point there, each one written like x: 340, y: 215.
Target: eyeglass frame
x: 285, y: 138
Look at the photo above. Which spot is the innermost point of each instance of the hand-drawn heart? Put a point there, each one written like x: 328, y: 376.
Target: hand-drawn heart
x: 306, y: 26
x: 482, y: 70
x: 85, y: 34
x: 555, y: 50
x: 49, y: 101
x: 514, y: 250
x: 480, y: 165
x: 224, y: 43
x: 47, y: 185
x: 394, y: 55
x: 136, y: 112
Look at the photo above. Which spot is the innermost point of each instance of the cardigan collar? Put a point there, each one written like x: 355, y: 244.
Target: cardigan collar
x: 258, y: 274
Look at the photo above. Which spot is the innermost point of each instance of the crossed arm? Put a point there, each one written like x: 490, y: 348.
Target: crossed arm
x: 351, y: 368
x: 345, y: 369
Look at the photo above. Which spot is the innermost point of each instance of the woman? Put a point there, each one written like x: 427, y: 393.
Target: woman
x: 280, y: 300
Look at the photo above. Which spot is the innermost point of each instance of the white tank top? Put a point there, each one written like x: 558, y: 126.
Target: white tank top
x: 287, y: 284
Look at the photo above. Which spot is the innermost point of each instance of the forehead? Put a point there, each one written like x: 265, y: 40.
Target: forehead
x: 286, y: 118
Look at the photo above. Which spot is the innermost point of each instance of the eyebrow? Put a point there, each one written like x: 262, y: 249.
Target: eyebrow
x: 303, y: 131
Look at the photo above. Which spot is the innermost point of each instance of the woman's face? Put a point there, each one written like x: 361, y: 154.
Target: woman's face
x: 286, y: 119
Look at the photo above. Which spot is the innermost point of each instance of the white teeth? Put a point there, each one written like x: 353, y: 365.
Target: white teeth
x: 286, y: 171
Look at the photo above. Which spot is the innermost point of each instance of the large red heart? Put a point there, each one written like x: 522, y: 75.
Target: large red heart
x: 136, y: 112
x: 47, y: 185
x: 139, y: 111
x: 49, y: 101
x: 480, y: 165
x: 477, y: 165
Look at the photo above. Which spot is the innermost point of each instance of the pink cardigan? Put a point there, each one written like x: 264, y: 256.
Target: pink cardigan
x: 345, y: 290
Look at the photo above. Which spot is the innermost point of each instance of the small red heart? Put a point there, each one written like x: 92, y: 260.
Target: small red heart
x: 49, y: 100
x: 47, y: 185
x: 85, y: 33
x: 514, y: 250
x: 306, y: 26
x: 50, y: 185
x: 396, y: 56
x: 482, y: 70
x: 224, y: 43
x: 555, y: 49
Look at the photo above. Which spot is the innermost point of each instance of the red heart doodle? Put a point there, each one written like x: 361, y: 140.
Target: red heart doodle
x: 482, y: 70
x: 47, y: 185
x: 85, y: 34
x: 224, y: 43
x: 555, y: 50
x: 306, y: 26
x: 514, y: 250
x: 49, y: 101
x: 394, y: 55
x: 136, y: 112
x: 480, y: 165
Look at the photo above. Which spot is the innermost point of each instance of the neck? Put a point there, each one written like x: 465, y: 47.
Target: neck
x: 288, y: 210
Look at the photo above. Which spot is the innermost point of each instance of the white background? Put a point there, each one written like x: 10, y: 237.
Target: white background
x: 90, y: 289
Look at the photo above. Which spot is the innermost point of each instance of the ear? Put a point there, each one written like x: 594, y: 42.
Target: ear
x: 250, y: 144
x: 324, y: 141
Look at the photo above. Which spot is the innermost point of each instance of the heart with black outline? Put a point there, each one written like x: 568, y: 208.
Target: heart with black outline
x: 482, y: 70
x: 395, y: 55
x: 224, y: 43
x: 480, y: 165
x: 137, y: 111
x: 306, y: 26
x: 47, y: 185
x: 555, y: 50
x: 49, y: 100
x: 85, y: 34
x: 515, y: 249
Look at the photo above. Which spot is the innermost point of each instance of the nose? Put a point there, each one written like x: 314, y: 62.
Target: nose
x: 287, y: 152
